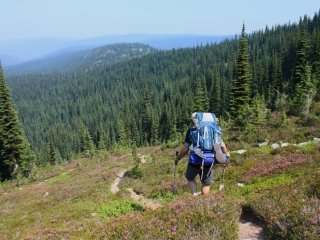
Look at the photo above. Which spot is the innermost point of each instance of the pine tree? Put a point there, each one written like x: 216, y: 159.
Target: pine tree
x: 201, y: 103
x: 86, y: 145
x: 52, y: 153
x: 15, y: 153
x: 304, y: 93
x: 301, y: 59
x: 147, y: 118
x: 101, y: 138
x: 123, y: 139
x: 240, y: 89
x: 155, y: 133
x: 164, y: 127
x: 304, y: 88
x: 258, y: 111
x: 216, y: 98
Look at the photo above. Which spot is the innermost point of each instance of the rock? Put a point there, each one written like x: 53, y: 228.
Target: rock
x: 303, y: 143
x: 316, y: 139
x: 46, y: 194
x: 263, y: 144
x: 284, y: 144
x: 275, y: 146
x: 242, y: 151
x: 239, y: 184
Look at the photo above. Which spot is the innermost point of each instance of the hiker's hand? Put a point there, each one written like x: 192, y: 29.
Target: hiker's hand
x: 227, y: 154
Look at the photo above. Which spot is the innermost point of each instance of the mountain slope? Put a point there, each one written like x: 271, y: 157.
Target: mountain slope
x: 74, y: 200
x: 75, y: 60
x: 31, y: 49
x: 154, y: 95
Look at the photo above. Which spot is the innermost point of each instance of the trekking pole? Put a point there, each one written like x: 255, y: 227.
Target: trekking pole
x: 175, y: 173
x: 223, y: 174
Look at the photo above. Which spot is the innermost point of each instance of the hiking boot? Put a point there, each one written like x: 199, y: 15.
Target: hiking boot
x: 219, y: 154
x: 196, y: 193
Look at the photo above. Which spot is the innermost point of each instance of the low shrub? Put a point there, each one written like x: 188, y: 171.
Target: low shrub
x: 276, y: 165
x: 135, y: 172
x: 309, y: 148
x: 214, y: 217
x: 288, y: 211
x: 117, y: 207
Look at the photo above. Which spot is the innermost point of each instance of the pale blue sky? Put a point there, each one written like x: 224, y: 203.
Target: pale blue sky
x: 91, y: 18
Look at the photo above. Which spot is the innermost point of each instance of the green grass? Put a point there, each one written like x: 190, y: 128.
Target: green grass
x: 116, y: 208
x: 73, y: 200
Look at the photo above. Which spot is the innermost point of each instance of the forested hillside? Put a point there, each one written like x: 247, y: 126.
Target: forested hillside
x: 148, y: 101
x: 83, y: 59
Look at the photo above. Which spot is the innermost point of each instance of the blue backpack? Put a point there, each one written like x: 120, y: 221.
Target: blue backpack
x: 205, y: 137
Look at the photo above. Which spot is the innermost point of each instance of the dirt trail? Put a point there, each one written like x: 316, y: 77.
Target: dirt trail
x: 115, y: 184
x: 248, y: 225
x: 146, y: 202
x: 250, y: 228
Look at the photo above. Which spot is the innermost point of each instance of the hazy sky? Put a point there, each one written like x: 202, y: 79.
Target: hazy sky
x: 90, y: 18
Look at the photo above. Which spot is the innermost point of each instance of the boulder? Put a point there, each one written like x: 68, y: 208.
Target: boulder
x: 303, y: 143
x: 263, y: 144
x: 242, y: 151
x: 284, y: 144
x: 275, y: 146
x: 239, y: 184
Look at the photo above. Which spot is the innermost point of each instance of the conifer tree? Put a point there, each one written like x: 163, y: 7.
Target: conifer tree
x: 240, y: 89
x: 122, y: 134
x: 52, y: 153
x: 201, y: 103
x: 15, y: 153
x: 154, y: 132
x: 164, y: 128
x: 301, y: 59
x: 316, y: 62
x: 216, y: 98
x: 304, y: 88
x: 147, y: 117
x: 102, y: 138
x: 86, y: 145
x: 304, y: 93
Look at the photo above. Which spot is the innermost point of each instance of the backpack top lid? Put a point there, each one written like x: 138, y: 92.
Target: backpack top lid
x: 198, y: 117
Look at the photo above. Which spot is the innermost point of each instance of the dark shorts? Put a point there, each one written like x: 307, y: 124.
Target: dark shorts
x: 194, y: 170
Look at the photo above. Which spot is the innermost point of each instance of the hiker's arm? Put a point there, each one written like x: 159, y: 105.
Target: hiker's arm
x: 225, y: 149
x: 184, y: 151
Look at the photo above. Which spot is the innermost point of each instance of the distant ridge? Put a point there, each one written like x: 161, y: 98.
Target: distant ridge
x: 73, y: 60
x: 26, y: 50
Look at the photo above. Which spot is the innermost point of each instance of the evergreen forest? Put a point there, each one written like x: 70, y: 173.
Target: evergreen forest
x: 148, y: 100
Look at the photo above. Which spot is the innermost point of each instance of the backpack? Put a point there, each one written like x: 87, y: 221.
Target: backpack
x: 205, y: 138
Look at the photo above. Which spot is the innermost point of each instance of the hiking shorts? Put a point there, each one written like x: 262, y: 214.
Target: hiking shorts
x: 194, y: 170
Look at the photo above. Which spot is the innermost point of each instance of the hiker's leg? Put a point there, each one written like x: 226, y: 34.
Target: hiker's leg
x: 207, y: 180
x: 205, y: 190
x: 193, y: 186
x: 190, y: 175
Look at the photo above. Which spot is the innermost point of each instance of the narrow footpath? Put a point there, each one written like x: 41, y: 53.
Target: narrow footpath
x: 249, y: 227
x: 145, y: 202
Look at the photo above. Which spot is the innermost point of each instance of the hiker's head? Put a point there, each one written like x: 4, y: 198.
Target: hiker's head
x: 194, y: 119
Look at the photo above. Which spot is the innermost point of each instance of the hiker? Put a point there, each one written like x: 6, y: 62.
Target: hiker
x: 196, y: 166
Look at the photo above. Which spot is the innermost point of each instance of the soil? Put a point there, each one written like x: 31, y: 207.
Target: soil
x: 115, y: 184
x: 146, y: 202
x: 250, y: 227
